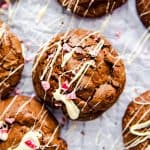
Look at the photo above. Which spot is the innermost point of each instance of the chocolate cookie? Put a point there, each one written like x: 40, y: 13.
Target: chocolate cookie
x: 26, y: 125
x: 80, y: 72
x: 136, y: 123
x: 11, y: 60
x: 91, y: 8
x: 143, y: 7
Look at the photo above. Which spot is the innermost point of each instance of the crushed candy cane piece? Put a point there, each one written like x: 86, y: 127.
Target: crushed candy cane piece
x: 28, y: 59
x: 66, y: 47
x: 118, y: 34
x: 30, y: 144
x: 71, y: 95
x: 50, y: 56
x: 97, y: 38
x: 45, y: 85
x: 93, y: 53
x: 28, y: 44
x: 4, y: 5
x: 65, y: 86
x: 17, y: 91
x: 9, y: 120
x: 78, y: 50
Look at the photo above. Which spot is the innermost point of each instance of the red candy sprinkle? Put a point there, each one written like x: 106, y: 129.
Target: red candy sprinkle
x: 65, y: 86
x: 30, y: 144
x: 3, y: 131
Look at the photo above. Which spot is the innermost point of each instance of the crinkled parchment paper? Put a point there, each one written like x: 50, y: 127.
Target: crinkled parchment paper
x: 36, y: 21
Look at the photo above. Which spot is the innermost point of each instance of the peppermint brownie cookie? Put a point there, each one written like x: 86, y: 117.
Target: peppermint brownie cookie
x: 91, y: 8
x: 80, y: 72
x: 11, y: 60
x: 26, y: 125
x: 143, y: 7
x: 136, y: 123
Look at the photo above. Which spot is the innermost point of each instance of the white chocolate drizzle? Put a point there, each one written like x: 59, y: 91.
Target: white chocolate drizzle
x: 141, y: 129
x: 2, y: 30
x: 97, y: 49
x: 67, y: 57
x: 51, y: 139
x: 142, y: 135
x: 85, y: 66
x: 139, y: 126
x: 142, y: 102
x: 54, y: 59
x: 72, y: 109
x: 12, y: 73
x: 8, y: 107
x: 50, y: 65
x: 31, y: 139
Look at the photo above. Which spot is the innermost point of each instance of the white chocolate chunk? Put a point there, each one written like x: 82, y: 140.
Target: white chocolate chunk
x: 148, y: 148
x: 33, y: 136
x: 3, y: 131
x: 3, y: 136
x: 72, y: 109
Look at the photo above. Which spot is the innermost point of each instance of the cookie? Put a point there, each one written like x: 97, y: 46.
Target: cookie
x: 80, y: 72
x: 11, y: 60
x: 26, y: 125
x: 143, y: 8
x: 3, y: 2
x: 91, y: 8
x: 136, y: 123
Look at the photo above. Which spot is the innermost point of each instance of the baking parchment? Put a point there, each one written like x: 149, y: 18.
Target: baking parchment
x: 37, y: 21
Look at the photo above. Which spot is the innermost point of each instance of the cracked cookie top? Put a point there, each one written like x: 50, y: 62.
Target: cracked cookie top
x: 11, y: 60
x: 26, y: 125
x: 80, y: 72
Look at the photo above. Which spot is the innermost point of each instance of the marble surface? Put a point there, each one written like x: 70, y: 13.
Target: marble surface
x: 36, y: 21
